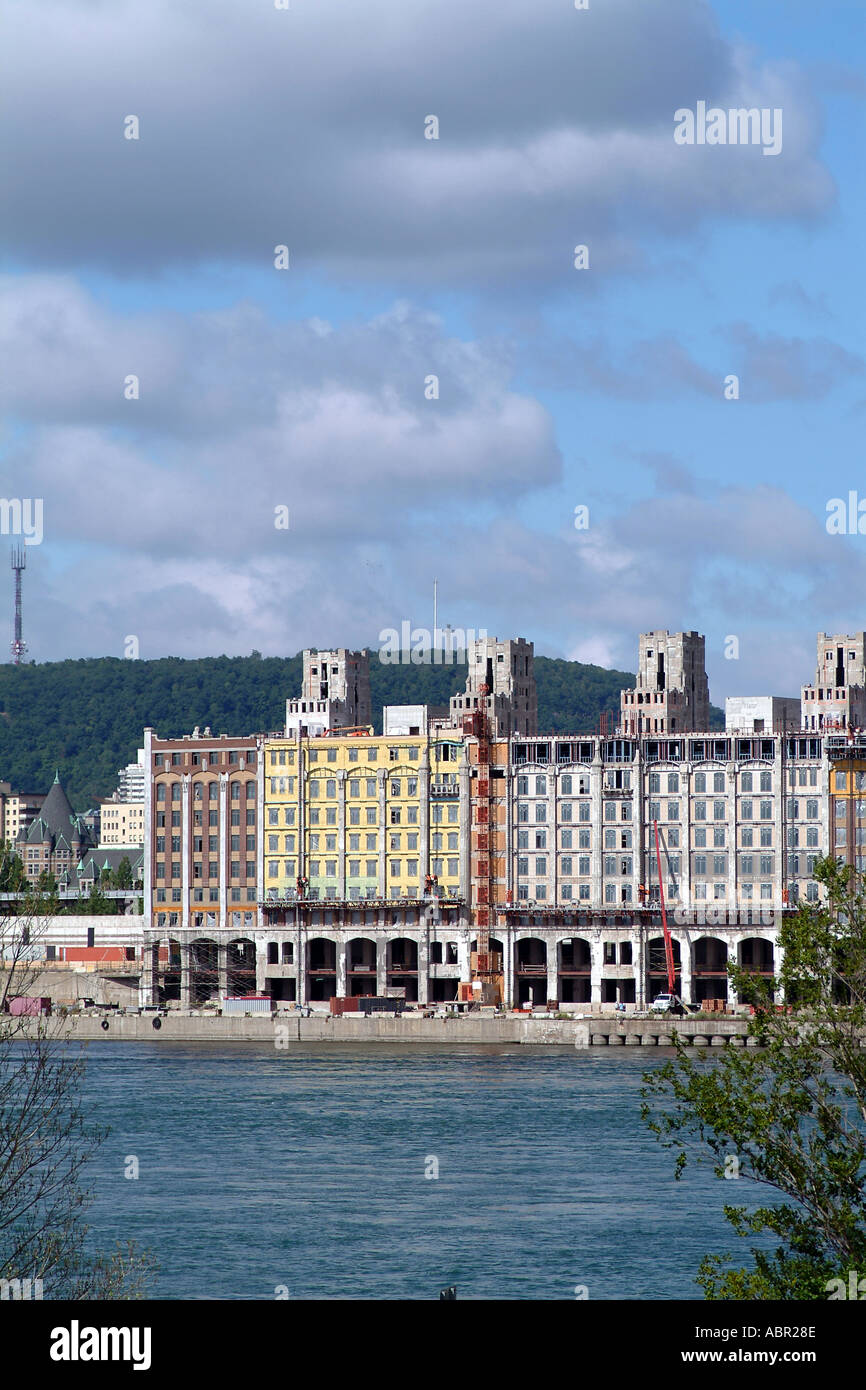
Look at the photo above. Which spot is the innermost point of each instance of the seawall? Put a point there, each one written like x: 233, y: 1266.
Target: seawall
x: 284, y: 1030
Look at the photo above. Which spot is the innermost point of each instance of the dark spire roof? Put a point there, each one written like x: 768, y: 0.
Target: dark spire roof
x: 56, y: 813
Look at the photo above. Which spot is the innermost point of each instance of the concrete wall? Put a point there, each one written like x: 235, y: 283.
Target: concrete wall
x: 287, y: 1030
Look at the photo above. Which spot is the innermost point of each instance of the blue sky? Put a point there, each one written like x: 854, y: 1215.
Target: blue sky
x: 454, y: 257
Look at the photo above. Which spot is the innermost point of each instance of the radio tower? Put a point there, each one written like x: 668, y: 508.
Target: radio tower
x: 19, y: 564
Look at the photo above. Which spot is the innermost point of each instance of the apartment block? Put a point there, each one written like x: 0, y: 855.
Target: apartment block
x: 353, y: 817
x: 122, y: 822
x: 672, y: 693
x: 18, y: 810
x: 201, y: 832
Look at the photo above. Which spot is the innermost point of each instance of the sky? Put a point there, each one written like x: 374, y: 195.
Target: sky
x: 174, y: 393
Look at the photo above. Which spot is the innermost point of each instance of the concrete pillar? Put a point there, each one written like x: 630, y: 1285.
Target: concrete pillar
x: 342, y: 973
x: 260, y: 829
x: 423, y: 955
x: 463, y: 948
x: 640, y: 954
x: 780, y: 821
x: 148, y: 870
x: 508, y: 961
x: 184, y: 974
x: 596, y: 775
x: 552, y: 945
x: 341, y: 835
x: 596, y: 947
x: 301, y: 958
x: 148, y: 987
x: 222, y: 969
x: 224, y: 831
x: 302, y: 810
x: 381, y: 962
x: 686, y: 967
x: 424, y: 815
x: 186, y: 793
x: 383, y: 831
x: 552, y: 876
x: 686, y: 835
x: 732, y: 821
x: 638, y: 820
x: 261, y: 963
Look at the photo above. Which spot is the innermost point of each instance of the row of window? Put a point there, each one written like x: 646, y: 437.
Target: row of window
x: 207, y: 758
x: 213, y: 791
x: 397, y: 868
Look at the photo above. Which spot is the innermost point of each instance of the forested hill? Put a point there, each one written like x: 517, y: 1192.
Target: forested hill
x: 86, y: 717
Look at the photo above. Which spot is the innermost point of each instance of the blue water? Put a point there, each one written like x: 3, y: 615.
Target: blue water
x: 306, y: 1169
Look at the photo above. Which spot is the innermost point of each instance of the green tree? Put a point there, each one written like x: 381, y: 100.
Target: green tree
x: 123, y: 873
x: 13, y: 878
x: 789, y: 1116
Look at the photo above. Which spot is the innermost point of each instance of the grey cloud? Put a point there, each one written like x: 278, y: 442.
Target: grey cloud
x: 305, y: 127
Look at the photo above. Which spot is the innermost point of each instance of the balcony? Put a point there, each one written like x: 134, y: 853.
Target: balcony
x: 445, y: 790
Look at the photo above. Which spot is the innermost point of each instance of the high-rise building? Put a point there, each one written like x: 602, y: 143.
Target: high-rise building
x: 335, y: 693
x: 508, y: 670
x: 837, y: 700
x: 672, y: 695
x: 130, y: 780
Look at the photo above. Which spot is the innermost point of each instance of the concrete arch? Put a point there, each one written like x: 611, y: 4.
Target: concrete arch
x: 203, y: 970
x: 240, y: 966
x: 709, y: 968
x: 756, y: 954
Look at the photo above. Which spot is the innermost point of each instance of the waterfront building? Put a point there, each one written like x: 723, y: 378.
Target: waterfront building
x: 348, y: 863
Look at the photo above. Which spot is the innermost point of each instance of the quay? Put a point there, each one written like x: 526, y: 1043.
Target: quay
x: 286, y: 1029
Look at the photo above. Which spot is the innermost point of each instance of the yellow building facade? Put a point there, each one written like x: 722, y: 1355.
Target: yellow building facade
x: 363, y: 817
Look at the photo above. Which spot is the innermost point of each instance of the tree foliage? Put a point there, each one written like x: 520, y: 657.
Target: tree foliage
x: 790, y: 1114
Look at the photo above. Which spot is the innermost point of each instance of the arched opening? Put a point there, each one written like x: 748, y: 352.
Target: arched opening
x: 531, y: 971
x: 710, y: 973
x: 240, y: 967
x: 574, y: 971
x: 402, y: 966
x: 273, y: 953
x: 361, y: 966
x: 756, y: 955
x: 321, y: 969
x: 657, y: 970
x: 203, y: 971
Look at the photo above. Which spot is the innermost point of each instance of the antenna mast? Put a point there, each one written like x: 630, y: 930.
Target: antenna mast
x: 19, y: 564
